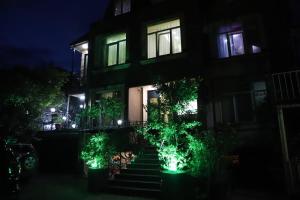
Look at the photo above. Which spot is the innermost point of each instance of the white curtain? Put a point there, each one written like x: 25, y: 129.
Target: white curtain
x: 122, y: 52
x: 176, y: 41
x: 223, y: 46
x: 151, y: 46
x: 164, y: 43
x: 236, y: 44
x: 112, y: 55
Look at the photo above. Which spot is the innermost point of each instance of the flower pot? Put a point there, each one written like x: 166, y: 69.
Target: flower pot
x: 177, y: 186
x: 97, y: 180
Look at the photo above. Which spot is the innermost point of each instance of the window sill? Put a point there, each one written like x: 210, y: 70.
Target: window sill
x: 249, y: 55
x: 162, y: 58
x: 116, y: 67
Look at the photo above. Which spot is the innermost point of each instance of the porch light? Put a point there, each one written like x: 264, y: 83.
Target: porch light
x: 119, y: 122
x: 73, y: 125
x: 82, y: 97
x: 52, y: 110
x: 81, y: 106
x: 64, y: 118
x: 85, y: 46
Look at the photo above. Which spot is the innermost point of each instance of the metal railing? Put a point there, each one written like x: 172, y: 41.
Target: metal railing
x: 286, y: 86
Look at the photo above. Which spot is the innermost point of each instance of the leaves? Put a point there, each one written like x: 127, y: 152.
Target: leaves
x: 25, y: 93
x: 97, y: 151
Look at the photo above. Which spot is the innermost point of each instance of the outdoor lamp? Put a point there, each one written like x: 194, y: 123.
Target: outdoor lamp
x: 119, y: 122
x: 82, y: 97
x: 52, y: 110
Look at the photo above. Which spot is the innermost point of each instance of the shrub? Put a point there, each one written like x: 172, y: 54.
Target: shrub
x: 97, y: 151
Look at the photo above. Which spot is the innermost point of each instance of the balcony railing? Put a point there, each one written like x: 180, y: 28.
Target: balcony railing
x: 286, y: 87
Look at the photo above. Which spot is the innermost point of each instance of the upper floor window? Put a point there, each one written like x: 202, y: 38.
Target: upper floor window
x: 116, y: 49
x: 164, y: 38
x: 122, y: 6
x: 230, y: 41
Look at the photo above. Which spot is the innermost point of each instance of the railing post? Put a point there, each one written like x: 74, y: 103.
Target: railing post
x: 285, y: 154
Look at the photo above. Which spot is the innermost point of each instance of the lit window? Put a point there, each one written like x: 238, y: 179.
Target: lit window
x: 122, y: 6
x: 256, y: 49
x: 164, y: 39
x: 116, y: 49
x: 230, y: 41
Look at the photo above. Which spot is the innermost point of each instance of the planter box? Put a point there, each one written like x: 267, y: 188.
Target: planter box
x: 177, y: 186
x: 97, y: 180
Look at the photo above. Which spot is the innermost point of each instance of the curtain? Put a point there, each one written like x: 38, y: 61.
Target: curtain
x: 176, y: 40
x: 151, y: 46
x: 126, y: 6
x: 122, y: 52
x: 112, y: 55
x: 223, y: 46
x: 236, y: 44
x: 164, y: 43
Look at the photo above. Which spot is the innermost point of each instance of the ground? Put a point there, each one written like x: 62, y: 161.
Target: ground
x: 74, y: 187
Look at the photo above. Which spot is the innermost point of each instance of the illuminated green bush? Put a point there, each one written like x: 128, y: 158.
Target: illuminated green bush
x: 98, y: 151
x: 166, y: 129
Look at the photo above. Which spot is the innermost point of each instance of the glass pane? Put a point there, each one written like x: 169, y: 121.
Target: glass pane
x: 164, y: 44
x: 256, y: 49
x: 112, y: 55
x: 176, y: 40
x: 228, y: 110
x: 223, y: 46
x: 244, y: 107
x: 118, y: 7
x: 163, y: 26
x: 116, y: 38
x: 122, y: 52
x: 236, y: 44
x: 126, y: 6
x: 151, y: 46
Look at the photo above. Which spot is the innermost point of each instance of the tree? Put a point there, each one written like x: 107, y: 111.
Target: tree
x: 182, y: 142
x: 25, y: 93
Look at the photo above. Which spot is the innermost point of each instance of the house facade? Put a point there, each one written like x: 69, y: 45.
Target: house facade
x: 233, y: 46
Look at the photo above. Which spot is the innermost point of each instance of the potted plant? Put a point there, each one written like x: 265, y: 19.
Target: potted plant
x: 96, y: 154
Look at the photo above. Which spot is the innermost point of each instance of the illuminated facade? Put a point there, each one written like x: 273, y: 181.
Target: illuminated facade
x: 234, y: 47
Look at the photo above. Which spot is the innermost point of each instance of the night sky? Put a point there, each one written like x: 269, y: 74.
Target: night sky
x: 38, y: 32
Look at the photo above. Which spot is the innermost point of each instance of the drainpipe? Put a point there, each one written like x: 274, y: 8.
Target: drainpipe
x: 285, y: 153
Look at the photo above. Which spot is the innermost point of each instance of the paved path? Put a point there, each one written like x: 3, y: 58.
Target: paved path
x: 64, y: 187
x: 72, y: 187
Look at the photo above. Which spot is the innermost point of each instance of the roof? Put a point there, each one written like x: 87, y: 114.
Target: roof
x: 82, y: 39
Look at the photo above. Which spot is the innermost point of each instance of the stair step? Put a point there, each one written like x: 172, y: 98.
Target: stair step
x: 145, y: 160
x: 141, y: 171
x: 149, y: 156
x: 144, y: 165
x: 142, y: 177
x: 134, y: 191
x: 135, y: 183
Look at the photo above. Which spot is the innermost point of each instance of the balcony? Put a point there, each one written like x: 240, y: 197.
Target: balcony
x: 286, y: 88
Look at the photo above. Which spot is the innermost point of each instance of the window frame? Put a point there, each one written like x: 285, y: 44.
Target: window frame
x: 157, y: 39
x: 229, y: 34
x: 233, y: 100
x: 118, y: 52
x: 122, y: 7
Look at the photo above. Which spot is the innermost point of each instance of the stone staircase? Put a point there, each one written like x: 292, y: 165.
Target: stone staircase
x: 141, y: 178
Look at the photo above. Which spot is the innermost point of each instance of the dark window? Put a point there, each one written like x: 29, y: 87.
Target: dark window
x: 237, y: 108
x: 122, y: 7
